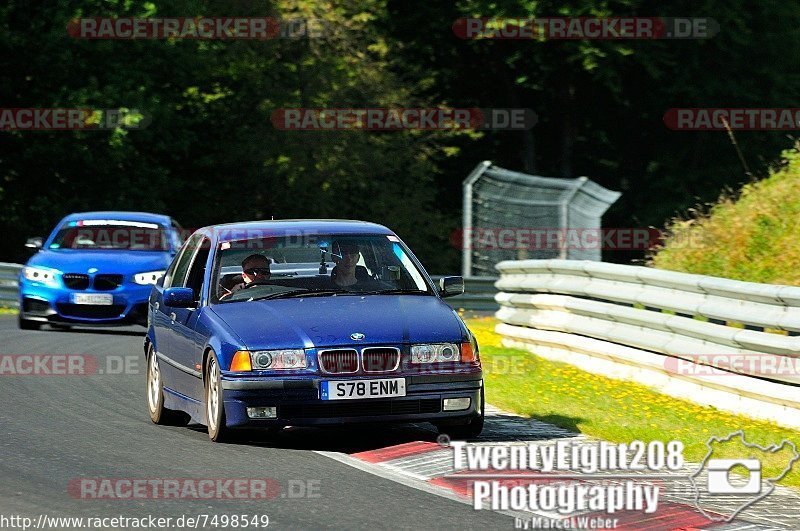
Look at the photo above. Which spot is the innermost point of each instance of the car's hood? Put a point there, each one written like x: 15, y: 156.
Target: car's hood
x: 122, y: 262
x: 329, y: 321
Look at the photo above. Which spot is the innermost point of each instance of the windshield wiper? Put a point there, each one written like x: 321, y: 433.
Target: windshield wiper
x: 303, y: 293
x: 395, y: 291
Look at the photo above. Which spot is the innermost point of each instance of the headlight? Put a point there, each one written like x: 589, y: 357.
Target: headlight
x: 40, y: 274
x: 150, y: 277
x: 278, y: 359
x: 435, y: 353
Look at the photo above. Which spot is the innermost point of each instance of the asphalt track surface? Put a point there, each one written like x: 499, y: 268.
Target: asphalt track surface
x: 61, y: 428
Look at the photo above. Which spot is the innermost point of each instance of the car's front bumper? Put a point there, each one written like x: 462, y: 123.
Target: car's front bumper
x: 45, y: 304
x: 298, y: 401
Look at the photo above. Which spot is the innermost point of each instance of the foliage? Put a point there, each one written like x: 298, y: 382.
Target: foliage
x: 210, y: 153
x: 752, y: 237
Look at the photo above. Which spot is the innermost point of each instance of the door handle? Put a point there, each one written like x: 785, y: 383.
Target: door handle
x: 172, y: 316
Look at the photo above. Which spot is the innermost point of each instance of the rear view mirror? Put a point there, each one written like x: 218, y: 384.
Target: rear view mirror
x: 451, y: 286
x: 391, y: 273
x: 34, y: 243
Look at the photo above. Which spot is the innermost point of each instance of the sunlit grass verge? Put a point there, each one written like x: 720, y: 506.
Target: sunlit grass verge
x: 4, y: 310
x: 749, y: 236
x: 616, y: 410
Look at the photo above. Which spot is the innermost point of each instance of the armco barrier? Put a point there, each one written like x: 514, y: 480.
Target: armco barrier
x: 9, y: 284
x: 715, y: 341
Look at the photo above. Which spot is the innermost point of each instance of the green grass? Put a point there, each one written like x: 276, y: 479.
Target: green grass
x: 753, y: 237
x: 614, y: 410
x: 8, y: 311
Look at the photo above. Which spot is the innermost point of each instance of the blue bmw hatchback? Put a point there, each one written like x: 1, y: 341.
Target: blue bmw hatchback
x: 269, y: 324
x: 96, y: 268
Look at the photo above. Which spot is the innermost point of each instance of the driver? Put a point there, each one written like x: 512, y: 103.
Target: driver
x: 255, y: 268
x: 347, y: 273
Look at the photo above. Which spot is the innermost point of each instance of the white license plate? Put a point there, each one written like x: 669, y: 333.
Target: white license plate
x: 356, y: 389
x: 99, y: 299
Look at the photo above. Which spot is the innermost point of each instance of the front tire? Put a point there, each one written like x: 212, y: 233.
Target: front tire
x: 214, y: 406
x: 155, y: 396
x: 26, y: 324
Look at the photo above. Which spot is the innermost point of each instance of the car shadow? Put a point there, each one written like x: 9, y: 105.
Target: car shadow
x: 354, y: 438
x: 351, y: 438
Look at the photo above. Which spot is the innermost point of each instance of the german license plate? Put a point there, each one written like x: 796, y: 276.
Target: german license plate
x: 97, y: 299
x: 358, y: 389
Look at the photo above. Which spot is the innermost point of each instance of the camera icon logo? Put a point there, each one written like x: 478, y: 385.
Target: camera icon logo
x: 742, y: 489
x: 719, y: 480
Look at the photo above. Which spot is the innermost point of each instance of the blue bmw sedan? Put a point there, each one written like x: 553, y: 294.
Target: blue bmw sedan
x: 303, y: 322
x: 96, y: 268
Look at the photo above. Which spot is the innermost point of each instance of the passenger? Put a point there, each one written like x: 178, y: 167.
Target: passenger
x: 255, y: 268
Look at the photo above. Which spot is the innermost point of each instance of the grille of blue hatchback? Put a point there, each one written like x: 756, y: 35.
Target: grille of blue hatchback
x: 90, y: 311
x: 107, y: 282
x: 75, y: 280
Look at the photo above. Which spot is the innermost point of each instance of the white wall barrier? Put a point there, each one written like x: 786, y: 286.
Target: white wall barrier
x: 729, y: 344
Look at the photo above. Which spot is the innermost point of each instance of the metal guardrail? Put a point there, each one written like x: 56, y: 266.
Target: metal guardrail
x: 646, y: 321
x: 9, y: 284
x: 479, y: 293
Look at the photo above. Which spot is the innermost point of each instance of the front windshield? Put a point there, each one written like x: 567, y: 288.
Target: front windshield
x: 322, y: 265
x: 110, y: 235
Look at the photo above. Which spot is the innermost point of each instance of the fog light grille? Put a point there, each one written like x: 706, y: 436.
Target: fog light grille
x: 456, y: 404
x: 262, y: 412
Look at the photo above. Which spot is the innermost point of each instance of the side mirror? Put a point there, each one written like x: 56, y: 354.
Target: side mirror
x: 451, y: 286
x: 179, y: 298
x: 34, y: 243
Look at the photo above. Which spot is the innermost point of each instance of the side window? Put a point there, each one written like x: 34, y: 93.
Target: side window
x: 177, y: 272
x: 194, y: 279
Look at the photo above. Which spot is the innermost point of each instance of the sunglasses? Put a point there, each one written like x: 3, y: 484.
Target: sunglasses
x: 254, y: 271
